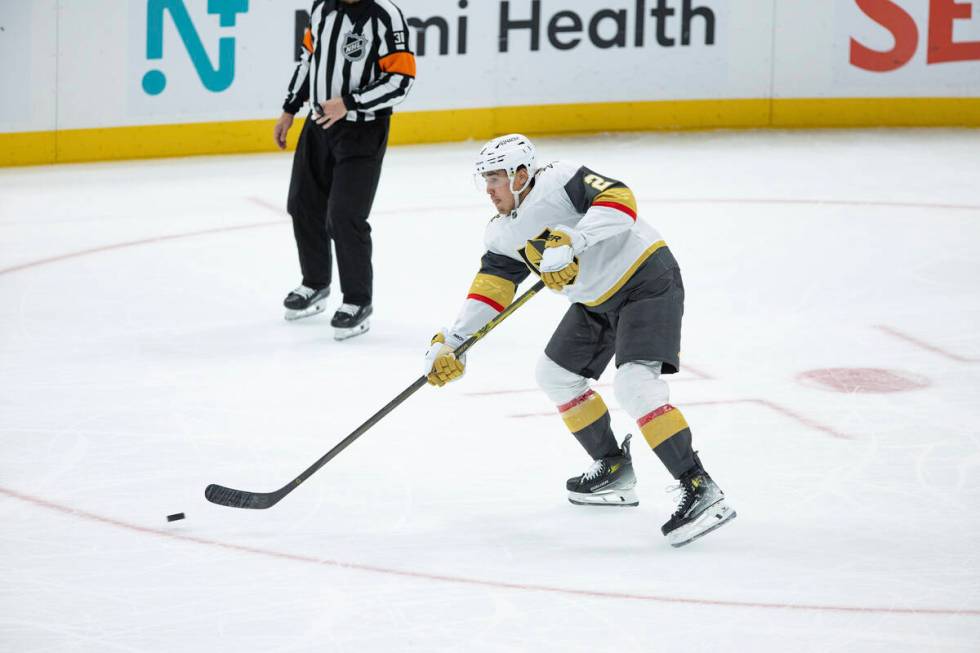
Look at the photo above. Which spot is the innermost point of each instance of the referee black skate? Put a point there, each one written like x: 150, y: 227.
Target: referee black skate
x: 355, y: 66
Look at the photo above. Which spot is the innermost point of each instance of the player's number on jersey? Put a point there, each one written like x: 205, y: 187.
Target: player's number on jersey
x: 598, y: 182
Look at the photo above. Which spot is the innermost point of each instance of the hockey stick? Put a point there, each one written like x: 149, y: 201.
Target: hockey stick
x: 224, y: 496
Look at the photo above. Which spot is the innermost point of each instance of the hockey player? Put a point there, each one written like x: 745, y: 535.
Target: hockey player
x: 580, y: 232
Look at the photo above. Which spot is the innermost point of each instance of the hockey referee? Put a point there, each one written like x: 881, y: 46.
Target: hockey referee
x: 355, y: 66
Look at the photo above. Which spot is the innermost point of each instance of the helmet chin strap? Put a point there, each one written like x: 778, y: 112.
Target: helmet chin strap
x: 517, y: 193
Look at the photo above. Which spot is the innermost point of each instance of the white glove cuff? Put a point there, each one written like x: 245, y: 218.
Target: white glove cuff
x: 453, y: 340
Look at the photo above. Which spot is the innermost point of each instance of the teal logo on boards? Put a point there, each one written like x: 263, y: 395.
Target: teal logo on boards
x: 215, y: 78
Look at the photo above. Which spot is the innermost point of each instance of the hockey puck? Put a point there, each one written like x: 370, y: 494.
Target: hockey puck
x: 175, y: 516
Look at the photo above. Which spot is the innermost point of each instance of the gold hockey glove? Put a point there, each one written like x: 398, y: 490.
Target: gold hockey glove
x: 442, y: 366
x: 559, y: 266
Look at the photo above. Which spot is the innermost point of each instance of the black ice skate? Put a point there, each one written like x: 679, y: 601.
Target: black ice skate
x: 608, y: 482
x: 701, y: 508
x: 305, y: 301
x: 350, y: 321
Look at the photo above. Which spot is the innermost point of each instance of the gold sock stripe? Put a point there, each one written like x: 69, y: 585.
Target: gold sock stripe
x: 660, y: 425
x: 583, y: 411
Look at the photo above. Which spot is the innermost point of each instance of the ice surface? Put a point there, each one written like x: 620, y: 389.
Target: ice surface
x: 143, y: 355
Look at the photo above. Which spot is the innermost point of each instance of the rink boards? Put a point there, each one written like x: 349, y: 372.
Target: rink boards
x: 174, y: 79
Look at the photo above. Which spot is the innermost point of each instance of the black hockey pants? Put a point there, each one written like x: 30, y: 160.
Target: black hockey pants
x: 335, y: 176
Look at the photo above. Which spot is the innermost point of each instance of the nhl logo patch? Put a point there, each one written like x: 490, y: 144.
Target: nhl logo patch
x: 355, y: 46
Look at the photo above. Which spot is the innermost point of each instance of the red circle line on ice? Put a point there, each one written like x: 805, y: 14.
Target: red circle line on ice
x: 863, y: 380
x: 478, y: 582
x: 81, y: 514
x: 265, y: 204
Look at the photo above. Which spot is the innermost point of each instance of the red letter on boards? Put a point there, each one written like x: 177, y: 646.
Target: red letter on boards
x: 902, y: 26
x: 942, y: 48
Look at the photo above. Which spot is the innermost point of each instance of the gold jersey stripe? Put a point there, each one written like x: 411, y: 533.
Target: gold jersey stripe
x: 629, y: 273
x: 583, y: 414
x: 621, y: 195
x: 663, y: 426
x: 492, y: 287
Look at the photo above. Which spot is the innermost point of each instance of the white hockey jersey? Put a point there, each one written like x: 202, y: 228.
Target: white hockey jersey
x: 599, y: 213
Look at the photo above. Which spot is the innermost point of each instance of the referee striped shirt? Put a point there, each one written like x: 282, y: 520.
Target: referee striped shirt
x: 359, y: 52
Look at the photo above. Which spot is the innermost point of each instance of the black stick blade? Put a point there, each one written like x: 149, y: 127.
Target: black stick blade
x: 225, y: 496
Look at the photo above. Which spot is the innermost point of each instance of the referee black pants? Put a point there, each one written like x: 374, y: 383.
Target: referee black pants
x: 335, y: 176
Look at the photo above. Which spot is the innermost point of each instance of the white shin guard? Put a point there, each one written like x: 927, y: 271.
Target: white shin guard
x: 559, y: 384
x: 639, y: 388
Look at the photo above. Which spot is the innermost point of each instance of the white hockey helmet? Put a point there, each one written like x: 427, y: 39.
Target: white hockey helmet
x: 508, y: 153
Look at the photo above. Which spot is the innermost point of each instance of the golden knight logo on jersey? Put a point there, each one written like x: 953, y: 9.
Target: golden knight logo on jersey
x: 534, y: 251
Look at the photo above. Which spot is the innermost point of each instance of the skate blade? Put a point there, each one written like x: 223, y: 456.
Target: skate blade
x: 345, y: 334
x: 617, y: 498
x: 292, y: 315
x: 713, y: 518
